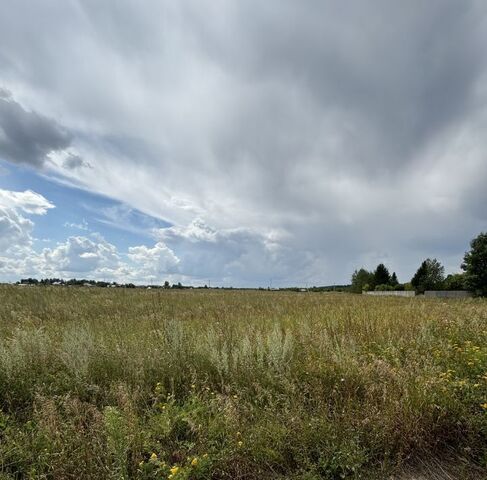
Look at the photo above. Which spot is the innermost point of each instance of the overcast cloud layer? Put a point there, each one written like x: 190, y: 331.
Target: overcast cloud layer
x: 280, y: 139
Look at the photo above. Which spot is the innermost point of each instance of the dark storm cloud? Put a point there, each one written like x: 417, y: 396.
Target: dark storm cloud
x: 395, y: 74
x: 27, y: 137
x: 72, y: 162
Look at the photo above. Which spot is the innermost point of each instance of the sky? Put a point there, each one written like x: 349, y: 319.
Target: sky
x: 240, y: 142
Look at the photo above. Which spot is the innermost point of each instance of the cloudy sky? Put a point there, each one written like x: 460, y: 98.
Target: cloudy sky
x: 241, y: 142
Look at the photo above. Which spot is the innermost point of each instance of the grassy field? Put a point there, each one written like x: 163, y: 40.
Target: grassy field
x: 152, y: 384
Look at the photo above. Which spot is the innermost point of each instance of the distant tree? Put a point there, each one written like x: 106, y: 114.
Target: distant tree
x: 475, y: 265
x: 361, y: 278
x: 408, y: 287
x: 394, y: 282
x: 381, y: 275
x: 455, y: 281
x: 429, y: 276
x: 166, y: 284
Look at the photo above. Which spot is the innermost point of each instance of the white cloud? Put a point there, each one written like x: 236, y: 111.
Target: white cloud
x: 153, y: 263
x: 16, y: 254
x: 81, y: 255
x: 237, y: 256
x: 28, y: 202
x: 15, y: 230
x: 78, y: 226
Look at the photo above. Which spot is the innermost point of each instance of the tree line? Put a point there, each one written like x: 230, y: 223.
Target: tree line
x: 94, y: 283
x: 431, y: 274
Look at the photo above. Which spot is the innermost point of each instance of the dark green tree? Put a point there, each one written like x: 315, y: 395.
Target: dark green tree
x: 394, y: 282
x: 429, y: 276
x: 361, y: 278
x: 475, y: 265
x: 455, y: 281
x: 381, y: 275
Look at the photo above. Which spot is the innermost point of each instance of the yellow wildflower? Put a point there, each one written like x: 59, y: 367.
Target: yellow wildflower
x: 174, y: 470
x: 484, y: 405
x: 240, y: 443
x: 194, y: 462
x: 153, y: 457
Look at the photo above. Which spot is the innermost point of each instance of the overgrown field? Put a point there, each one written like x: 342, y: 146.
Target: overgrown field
x: 152, y: 384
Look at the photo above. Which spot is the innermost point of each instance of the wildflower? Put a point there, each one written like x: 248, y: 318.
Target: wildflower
x: 174, y: 470
x: 476, y: 385
x: 238, y: 434
x: 153, y: 457
x: 240, y: 443
x: 194, y: 462
x: 205, y: 455
x: 484, y: 405
x: 193, y: 386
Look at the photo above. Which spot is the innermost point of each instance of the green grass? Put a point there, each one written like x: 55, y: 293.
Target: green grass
x: 118, y: 384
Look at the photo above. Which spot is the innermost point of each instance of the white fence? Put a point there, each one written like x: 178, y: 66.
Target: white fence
x: 447, y: 294
x: 391, y: 293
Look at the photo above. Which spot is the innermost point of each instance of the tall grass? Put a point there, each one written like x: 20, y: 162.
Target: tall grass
x: 99, y: 383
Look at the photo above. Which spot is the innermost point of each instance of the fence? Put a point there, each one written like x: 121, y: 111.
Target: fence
x: 447, y: 294
x: 392, y: 293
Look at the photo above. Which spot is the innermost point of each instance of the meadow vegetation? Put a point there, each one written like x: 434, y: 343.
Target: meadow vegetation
x: 153, y: 384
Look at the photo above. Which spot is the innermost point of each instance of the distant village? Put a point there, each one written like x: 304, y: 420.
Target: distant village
x: 59, y: 282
